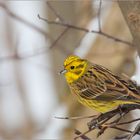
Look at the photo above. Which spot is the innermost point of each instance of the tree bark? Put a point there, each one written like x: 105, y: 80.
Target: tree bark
x: 131, y: 13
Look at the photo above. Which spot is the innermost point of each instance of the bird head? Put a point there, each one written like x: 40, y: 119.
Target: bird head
x: 74, y: 68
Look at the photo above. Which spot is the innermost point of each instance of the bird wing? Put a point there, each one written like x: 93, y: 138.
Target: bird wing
x: 118, y: 87
x: 101, y: 90
x: 102, y: 84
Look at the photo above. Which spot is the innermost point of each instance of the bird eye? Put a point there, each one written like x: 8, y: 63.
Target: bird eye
x: 72, y: 67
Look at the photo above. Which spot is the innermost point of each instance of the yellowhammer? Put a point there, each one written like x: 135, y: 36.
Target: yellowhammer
x: 97, y: 87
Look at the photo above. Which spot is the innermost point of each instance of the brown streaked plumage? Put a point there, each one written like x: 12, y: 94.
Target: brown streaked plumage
x: 97, y: 87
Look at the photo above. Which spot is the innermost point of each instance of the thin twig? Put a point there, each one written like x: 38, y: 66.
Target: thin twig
x: 136, y: 131
x: 99, y: 15
x: 24, y: 55
x: 59, y: 37
x: 127, y: 122
x: 55, y: 12
x: 100, y: 123
x: 121, y: 129
x: 23, y: 21
x: 76, y: 118
x: 122, y: 137
x: 63, y: 24
x: 86, y: 132
x: 114, y: 38
x: 83, y: 134
x: 84, y: 137
x: 84, y: 30
x: 116, y: 121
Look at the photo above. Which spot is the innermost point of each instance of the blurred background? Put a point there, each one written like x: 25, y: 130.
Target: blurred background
x: 32, y: 93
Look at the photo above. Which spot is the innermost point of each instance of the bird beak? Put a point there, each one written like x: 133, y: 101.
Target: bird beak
x: 63, y: 71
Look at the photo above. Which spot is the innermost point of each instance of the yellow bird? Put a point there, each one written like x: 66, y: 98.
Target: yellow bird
x: 97, y: 87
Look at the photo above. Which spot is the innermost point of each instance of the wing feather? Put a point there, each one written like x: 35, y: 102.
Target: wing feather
x: 101, y: 84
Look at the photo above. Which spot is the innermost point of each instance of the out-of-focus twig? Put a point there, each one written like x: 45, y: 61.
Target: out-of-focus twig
x: 75, y: 118
x: 55, y: 12
x: 84, y: 137
x: 59, y: 17
x: 99, y: 15
x: 22, y: 20
x: 59, y: 37
x: 64, y: 24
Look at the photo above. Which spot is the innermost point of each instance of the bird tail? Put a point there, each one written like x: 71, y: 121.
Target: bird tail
x: 131, y: 102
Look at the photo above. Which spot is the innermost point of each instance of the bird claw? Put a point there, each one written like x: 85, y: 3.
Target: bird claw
x: 93, y: 124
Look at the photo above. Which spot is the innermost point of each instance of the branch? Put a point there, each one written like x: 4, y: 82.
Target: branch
x: 136, y: 131
x: 100, y: 121
x: 135, y: 120
x: 23, y: 21
x: 84, y: 137
x: 99, y: 15
x: 55, y: 12
x: 59, y: 37
x: 64, y: 24
x: 122, y: 137
x: 76, y: 118
x: 121, y: 129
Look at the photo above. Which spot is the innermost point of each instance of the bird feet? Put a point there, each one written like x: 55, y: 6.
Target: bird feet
x: 100, y: 119
x: 94, y: 123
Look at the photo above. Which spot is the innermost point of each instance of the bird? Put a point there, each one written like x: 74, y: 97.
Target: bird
x: 97, y: 87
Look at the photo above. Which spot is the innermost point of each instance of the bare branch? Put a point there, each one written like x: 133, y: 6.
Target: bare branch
x: 121, y: 129
x: 23, y: 21
x: 121, y: 137
x: 55, y: 12
x: 84, y: 137
x: 135, y: 120
x: 100, y: 121
x: 76, y: 118
x: 84, y: 30
x: 99, y: 15
x: 136, y: 131
x: 59, y: 37
x: 81, y: 134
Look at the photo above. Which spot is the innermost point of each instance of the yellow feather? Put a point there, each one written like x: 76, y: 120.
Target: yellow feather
x: 97, y: 87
